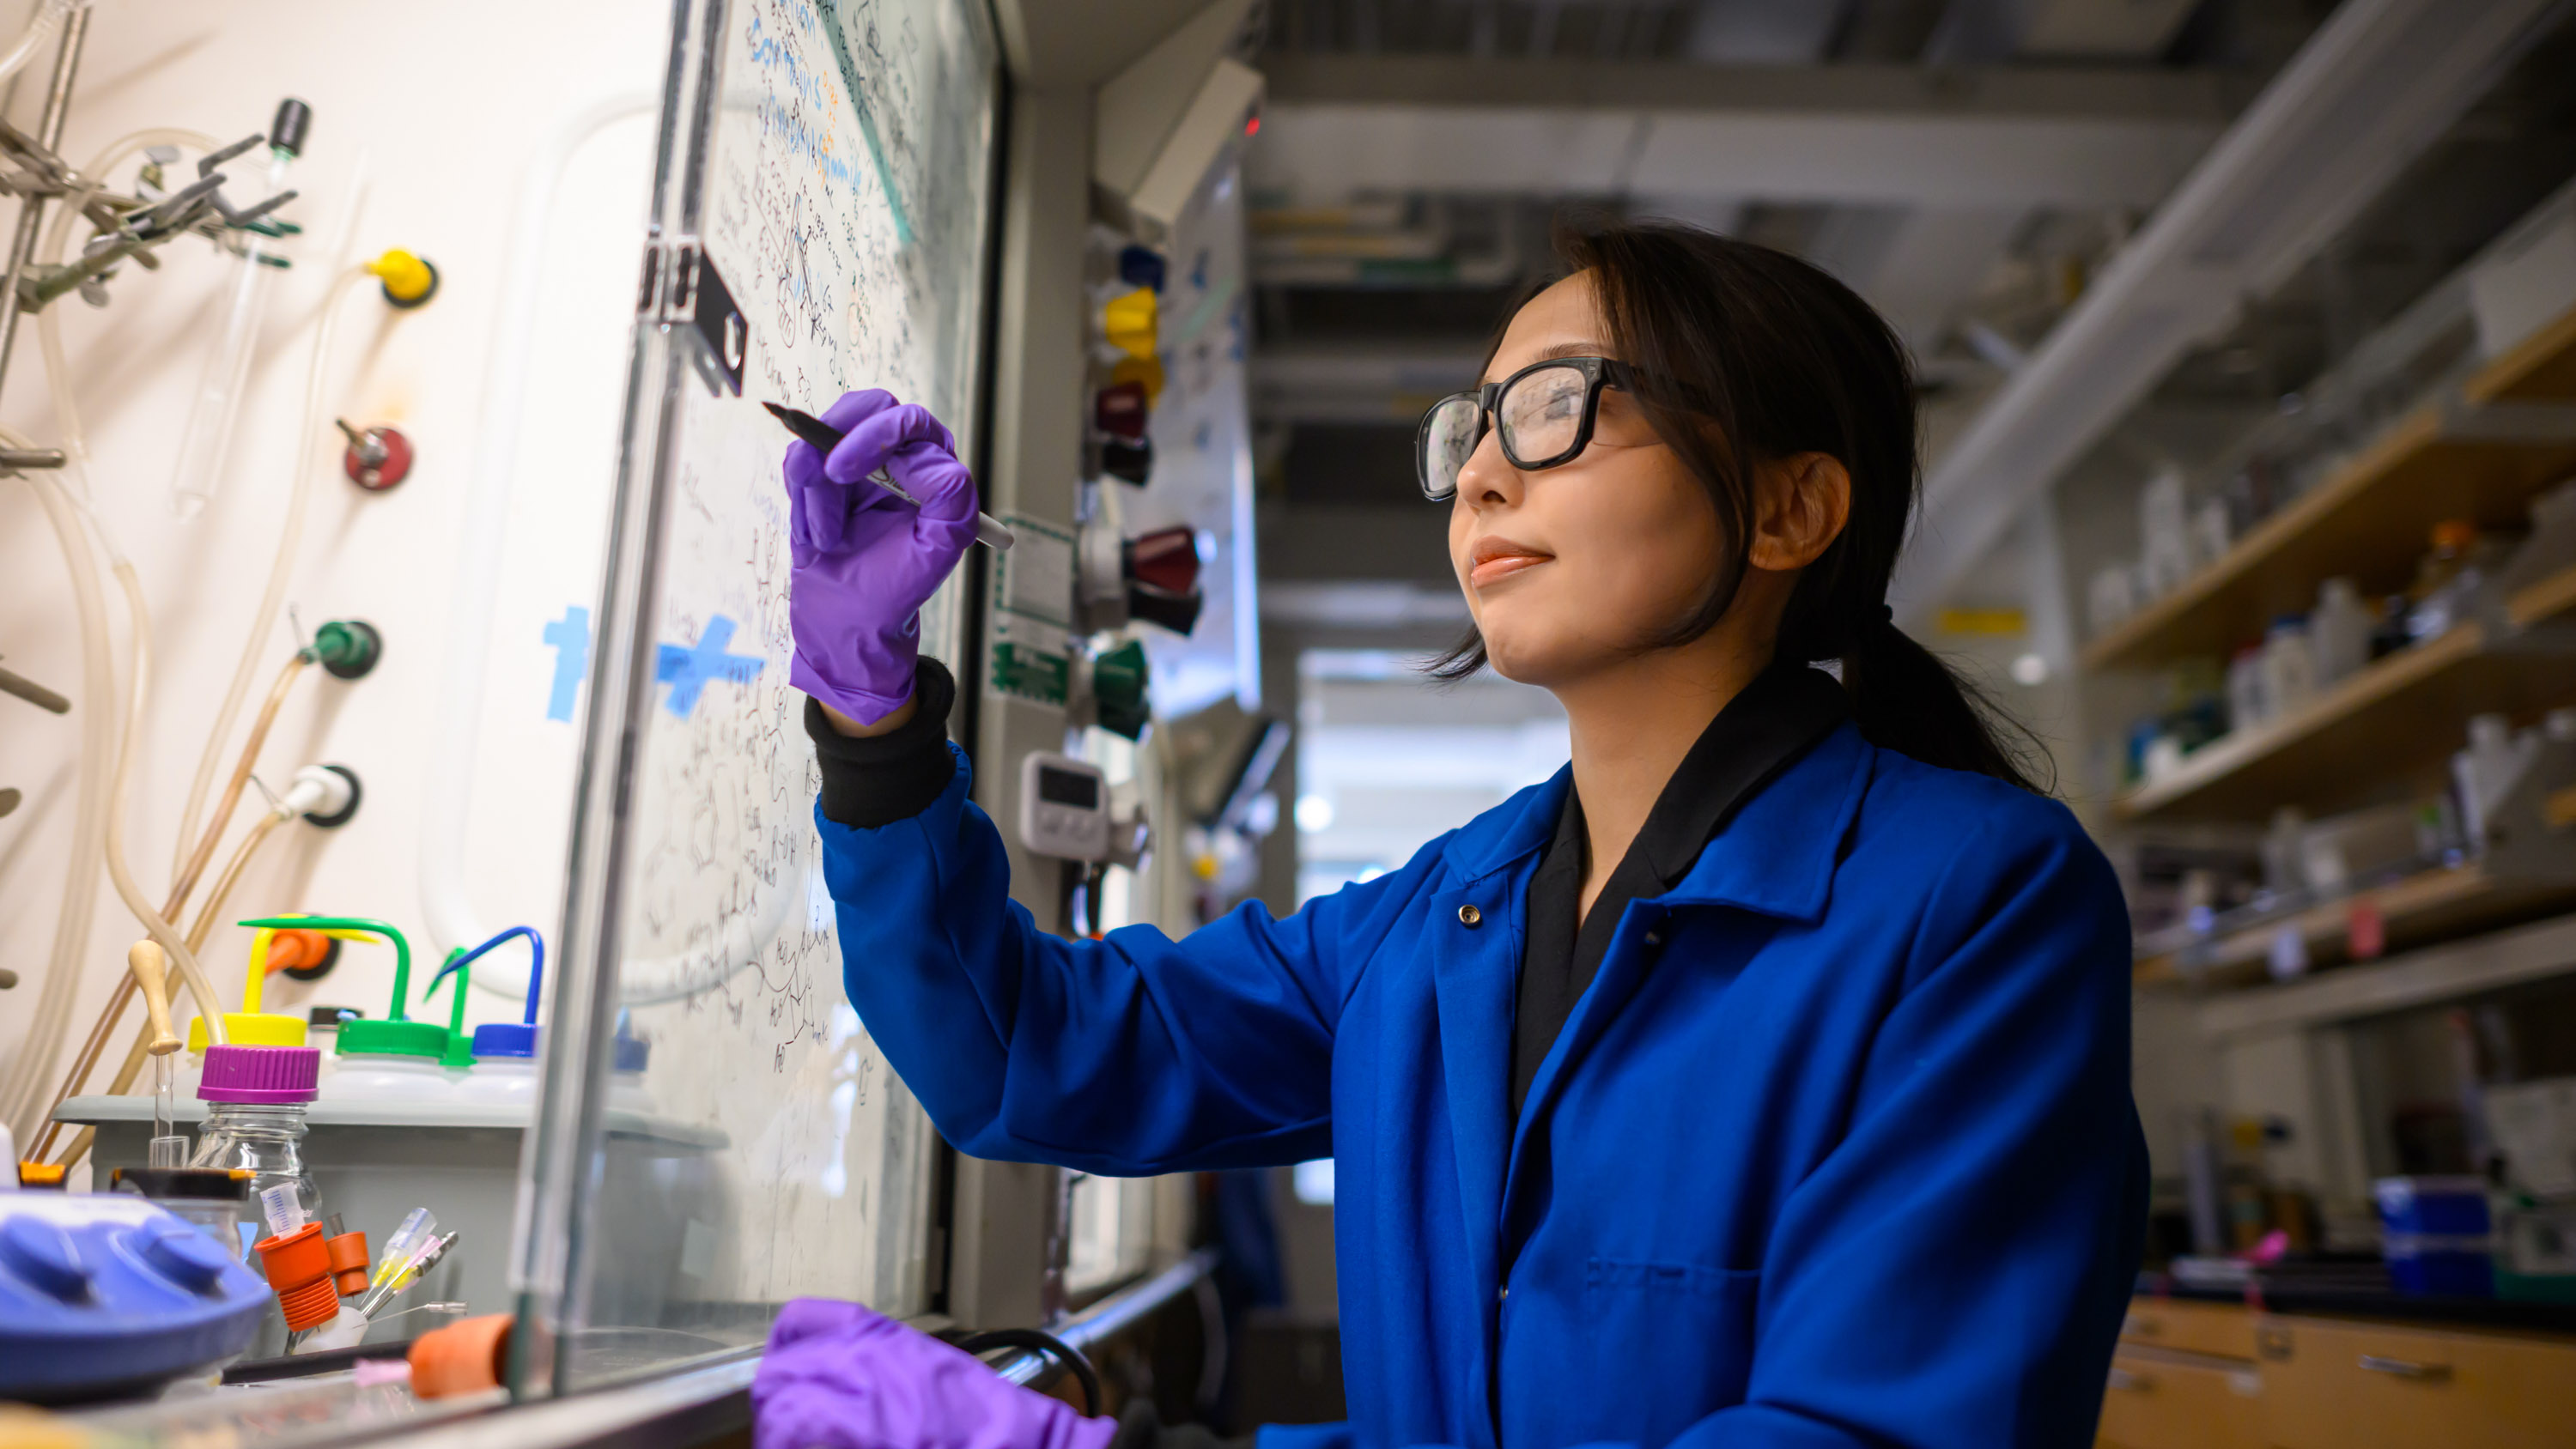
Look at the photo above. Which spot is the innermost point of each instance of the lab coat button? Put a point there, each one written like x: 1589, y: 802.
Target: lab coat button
x: 1469, y: 915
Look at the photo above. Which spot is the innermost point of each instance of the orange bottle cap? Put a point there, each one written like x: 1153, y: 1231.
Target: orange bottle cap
x: 2454, y: 533
x: 348, y: 1254
x: 465, y: 1357
x: 299, y: 1270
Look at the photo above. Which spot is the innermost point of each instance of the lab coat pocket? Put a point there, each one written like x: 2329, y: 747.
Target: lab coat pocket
x: 1680, y: 1323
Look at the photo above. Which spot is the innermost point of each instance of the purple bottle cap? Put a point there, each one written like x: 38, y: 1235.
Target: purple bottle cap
x: 264, y: 1075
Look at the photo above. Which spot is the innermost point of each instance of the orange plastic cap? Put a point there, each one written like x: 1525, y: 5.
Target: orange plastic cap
x: 348, y: 1254
x: 295, y: 950
x: 462, y: 1358
x: 2454, y: 533
x: 299, y: 1270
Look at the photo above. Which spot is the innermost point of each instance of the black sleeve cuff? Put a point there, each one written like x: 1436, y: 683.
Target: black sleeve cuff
x: 1140, y: 1427
x: 894, y: 776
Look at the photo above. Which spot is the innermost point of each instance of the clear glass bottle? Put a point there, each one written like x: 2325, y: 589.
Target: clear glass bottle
x: 256, y: 1098
x: 268, y: 1142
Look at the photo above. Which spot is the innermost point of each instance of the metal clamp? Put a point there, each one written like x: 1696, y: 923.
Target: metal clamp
x: 681, y: 285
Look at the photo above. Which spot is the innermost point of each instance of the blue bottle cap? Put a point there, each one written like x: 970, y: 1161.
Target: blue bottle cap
x: 505, y: 1039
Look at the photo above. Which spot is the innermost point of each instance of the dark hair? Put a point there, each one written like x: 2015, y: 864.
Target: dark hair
x: 1745, y: 355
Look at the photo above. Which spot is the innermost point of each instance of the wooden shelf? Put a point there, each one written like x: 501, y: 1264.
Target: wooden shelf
x: 2543, y: 601
x: 2369, y: 522
x: 2401, y: 714
x: 2431, y: 906
x: 2467, y: 965
x: 2539, y: 368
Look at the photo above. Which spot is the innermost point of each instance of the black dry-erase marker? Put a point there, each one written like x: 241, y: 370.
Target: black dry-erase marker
x: 989, y: 531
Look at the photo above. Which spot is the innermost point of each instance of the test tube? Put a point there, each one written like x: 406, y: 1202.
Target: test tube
x: 209, y: 434
x: 169, y: 1147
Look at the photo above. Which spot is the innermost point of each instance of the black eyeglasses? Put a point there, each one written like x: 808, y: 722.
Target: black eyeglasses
x: 1544, y: 413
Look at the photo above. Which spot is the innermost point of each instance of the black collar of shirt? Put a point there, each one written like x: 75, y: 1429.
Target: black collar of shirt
x: 1766, y: 726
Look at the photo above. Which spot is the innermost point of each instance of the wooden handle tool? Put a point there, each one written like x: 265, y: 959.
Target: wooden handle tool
x: 151, y: 968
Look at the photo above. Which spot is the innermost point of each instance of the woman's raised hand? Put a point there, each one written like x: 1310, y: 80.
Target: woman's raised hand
x: 866, y: 561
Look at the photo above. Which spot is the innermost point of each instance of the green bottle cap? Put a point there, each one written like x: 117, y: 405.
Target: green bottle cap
x: 393, y: 1039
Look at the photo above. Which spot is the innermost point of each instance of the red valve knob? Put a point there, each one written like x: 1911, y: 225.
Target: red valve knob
x: 378, y: 457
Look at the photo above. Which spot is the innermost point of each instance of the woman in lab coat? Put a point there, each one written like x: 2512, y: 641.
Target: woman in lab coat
x: 1760, y: 1079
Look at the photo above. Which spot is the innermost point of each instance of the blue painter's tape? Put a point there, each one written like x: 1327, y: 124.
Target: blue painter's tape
x: 570, y: 638
x: 688, y: 669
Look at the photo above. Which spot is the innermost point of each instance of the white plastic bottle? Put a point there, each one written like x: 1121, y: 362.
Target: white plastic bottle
x: 626, y: 1091
x: 505, y: 1066
x: 2289, y: 665
x: 500, y: 1059
x: 2339, y: 632
x: 396, y: 1060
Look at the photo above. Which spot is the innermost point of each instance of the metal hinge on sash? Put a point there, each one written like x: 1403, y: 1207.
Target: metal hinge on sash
x: 681, y: 286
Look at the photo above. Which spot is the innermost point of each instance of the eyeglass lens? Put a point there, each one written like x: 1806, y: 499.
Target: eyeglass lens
x: 1449, y: 436
x: 1539, y: 415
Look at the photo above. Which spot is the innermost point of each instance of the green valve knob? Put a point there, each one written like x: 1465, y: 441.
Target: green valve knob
x: 348, y: 647
x: 1118, y: 681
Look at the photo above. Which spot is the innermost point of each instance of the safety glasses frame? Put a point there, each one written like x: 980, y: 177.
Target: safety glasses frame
x: 1598, y: 372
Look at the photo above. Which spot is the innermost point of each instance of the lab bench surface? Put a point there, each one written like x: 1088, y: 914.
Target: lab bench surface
x: 2340, y: 1370
x: 2505, y: 1314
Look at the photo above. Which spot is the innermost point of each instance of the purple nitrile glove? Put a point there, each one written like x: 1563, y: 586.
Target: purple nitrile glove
x: 865, y: 560
x: 838, y: 1376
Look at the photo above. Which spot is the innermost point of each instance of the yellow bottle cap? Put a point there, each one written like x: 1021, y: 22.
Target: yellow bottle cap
x: 251, y: 1026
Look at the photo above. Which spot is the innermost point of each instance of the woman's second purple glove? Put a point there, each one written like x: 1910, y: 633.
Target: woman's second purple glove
x: 838, y: 1376
x: 865, y: 560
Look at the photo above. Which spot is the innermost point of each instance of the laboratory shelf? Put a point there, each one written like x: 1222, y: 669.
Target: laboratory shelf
x: 2416, y: 911
x: 2403, y: 713
x: 2503, y: 959
x: 2543, y: 600
x: 2368, y: 521
x: 102, y: 1110
x: 2541, y: 367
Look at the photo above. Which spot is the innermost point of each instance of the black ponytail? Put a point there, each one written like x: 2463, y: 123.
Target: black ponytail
x: 1746, y: 355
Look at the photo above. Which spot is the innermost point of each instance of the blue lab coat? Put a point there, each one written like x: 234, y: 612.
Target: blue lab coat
x: 1837, y: 1149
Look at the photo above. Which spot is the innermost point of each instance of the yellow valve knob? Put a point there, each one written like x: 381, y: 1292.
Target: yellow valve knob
x: 408, y: 280
x: 1145, y: 372
x: 1129, y: 323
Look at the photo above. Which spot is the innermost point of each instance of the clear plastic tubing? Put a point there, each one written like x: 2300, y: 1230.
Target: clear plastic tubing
x: 219, y: 397
x: 48, y: 19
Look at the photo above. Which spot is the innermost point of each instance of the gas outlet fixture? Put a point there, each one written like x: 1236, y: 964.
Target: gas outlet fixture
x: 378, y: 456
